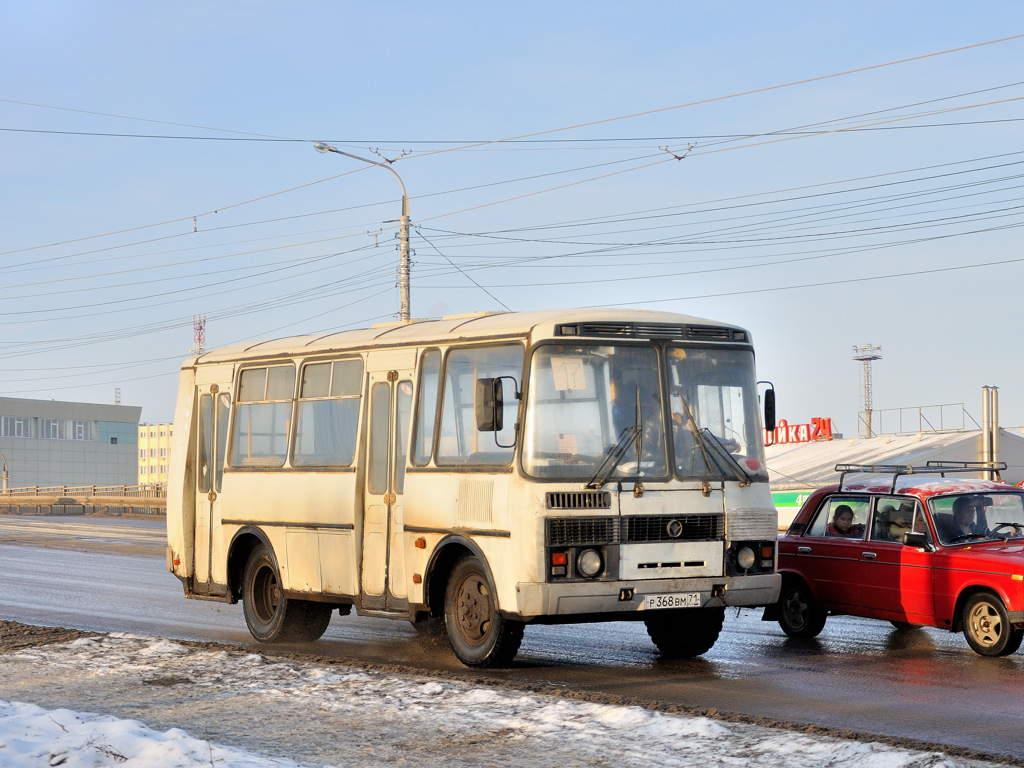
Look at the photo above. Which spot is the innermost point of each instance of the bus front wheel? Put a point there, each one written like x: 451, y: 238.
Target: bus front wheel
x: 272, y: 617
x: 685, y: 634
x: 478, y: 634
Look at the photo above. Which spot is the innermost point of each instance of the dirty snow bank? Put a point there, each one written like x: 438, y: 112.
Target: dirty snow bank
x: 250, y: 711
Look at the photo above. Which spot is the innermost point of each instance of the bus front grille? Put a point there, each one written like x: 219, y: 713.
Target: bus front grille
x: 675, y: 528
x: 579, y: 500
x: 576, y: 531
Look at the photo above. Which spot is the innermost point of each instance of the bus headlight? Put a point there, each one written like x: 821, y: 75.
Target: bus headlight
x: 589, y: 563
x: 745, y: 558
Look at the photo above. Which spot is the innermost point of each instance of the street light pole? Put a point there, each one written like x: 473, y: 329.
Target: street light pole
x: 403, y: 229
x: 5, y: 475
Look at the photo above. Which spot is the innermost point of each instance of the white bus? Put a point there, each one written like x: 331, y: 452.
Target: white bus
x: 484, y: 472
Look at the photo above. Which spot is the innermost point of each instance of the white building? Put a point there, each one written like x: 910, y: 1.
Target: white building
x: 154, y: 452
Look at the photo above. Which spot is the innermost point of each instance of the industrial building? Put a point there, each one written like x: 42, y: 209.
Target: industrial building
x: 51, y: 442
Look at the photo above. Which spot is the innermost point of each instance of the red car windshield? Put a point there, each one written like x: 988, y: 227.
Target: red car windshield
x: 964, y: 518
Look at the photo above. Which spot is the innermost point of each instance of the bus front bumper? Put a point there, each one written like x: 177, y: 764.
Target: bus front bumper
x: 627, y: 600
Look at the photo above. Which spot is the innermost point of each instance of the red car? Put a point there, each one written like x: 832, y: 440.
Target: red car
x: 912, y: 546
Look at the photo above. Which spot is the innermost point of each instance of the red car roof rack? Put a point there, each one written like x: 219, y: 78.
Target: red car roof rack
x: 931, y: 468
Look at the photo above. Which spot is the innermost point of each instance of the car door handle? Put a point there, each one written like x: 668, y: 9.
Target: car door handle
x: 868, y: 555
x: 803, y: 550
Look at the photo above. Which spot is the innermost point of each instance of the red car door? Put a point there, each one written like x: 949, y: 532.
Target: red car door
x: 897, y: 582
x: 828, y: 558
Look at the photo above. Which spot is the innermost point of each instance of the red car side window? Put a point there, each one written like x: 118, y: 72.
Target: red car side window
x: 843, y: 517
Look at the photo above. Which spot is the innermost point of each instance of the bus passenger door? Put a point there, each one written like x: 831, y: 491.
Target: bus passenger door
x: 383, y: 562
x: 211, y: 440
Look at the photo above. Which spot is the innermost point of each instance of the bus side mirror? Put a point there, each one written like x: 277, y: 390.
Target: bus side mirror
x: 489, y: 405
x: 769, y: 410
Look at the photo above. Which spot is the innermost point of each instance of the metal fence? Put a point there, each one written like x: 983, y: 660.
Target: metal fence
x: 154, y: 491
x: 949, y: 417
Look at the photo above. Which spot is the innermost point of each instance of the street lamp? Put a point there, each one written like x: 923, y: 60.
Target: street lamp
x: 5, y: 475
x: 403, y: 229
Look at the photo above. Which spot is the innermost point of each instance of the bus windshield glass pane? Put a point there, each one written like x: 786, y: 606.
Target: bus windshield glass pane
x: 712, y: 397
x: 583, y: 408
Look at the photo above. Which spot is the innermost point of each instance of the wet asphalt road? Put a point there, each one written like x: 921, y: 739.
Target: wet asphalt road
x: 108, y: 575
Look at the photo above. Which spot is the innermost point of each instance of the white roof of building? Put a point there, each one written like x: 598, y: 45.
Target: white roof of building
x: 802, y: 466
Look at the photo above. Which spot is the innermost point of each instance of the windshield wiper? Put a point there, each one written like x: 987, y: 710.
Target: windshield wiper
x: 720, y: 452
x: 613, y: 457
x: 630, y: 435
x: 723, y: 453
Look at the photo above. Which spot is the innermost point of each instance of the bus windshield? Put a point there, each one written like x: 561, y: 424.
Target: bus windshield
x: 712, y: 399
x: 597, y: 413
x: 586, y: 404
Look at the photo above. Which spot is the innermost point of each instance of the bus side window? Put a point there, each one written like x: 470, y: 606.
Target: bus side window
x: 328, y: 414
x: 205, y: 444
x: 459, y: 442
x: 404, y: 416
x: 223, y: 408
x: 426, y: 408
x: 262, y: 415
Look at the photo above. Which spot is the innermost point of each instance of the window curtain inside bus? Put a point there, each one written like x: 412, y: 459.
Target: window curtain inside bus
x: 328, y: 414
x: 262, y: 415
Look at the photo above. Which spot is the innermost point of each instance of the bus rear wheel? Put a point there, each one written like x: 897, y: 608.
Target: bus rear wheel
x: 685, y: 634
x: 272, y: 617
x: 478, y: 634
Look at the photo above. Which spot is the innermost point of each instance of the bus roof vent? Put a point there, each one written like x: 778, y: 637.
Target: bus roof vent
x: 715, y: 332
x: 579, y: 500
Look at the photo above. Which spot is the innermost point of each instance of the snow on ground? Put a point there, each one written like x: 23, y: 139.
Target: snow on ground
x: 280, y: 714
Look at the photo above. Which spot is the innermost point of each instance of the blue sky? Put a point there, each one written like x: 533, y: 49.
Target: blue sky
x: 157, y: 163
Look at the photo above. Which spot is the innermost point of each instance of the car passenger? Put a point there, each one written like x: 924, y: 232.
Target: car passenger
x: 901, y: 521
x: 882, y: 521
x: 842, y: 524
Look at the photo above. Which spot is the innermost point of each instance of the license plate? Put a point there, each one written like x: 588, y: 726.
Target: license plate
x: 675, y: 600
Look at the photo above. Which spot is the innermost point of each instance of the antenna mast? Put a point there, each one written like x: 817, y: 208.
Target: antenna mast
x: 198, y: 334
x: 866, y: 354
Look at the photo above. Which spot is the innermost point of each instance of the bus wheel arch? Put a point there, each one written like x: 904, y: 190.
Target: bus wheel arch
x: 479, y: 635
x: 439, y: 569
x: 460, y: 590
x: 271, y: 616
x: 240, y: 550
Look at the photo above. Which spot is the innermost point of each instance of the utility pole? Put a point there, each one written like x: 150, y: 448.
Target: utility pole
x: 403, y: 229
x: 866, y: 355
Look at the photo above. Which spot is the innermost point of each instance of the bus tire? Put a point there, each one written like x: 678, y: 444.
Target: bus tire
x: 685, y: 634
x: 987, y: 628
x: 478, y: 634
x: 272, y: 617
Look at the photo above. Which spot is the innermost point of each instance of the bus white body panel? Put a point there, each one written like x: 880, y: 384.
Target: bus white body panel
x: 492, y: 470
